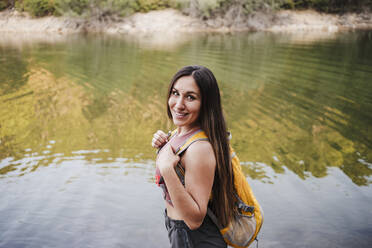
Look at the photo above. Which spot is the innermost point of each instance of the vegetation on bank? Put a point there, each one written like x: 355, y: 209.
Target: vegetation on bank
x: 198, y: 8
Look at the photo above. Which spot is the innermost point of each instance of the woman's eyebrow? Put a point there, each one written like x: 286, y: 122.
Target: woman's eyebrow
x: 188, y: 92
x: 192, y: 92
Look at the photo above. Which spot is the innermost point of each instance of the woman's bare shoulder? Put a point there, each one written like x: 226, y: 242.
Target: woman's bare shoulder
x: 200, y: 152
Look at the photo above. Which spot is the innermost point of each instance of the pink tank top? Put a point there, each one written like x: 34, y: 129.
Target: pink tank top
x: 176, y: 142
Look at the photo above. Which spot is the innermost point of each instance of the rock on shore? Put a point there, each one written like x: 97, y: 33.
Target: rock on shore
x: 171, y: 21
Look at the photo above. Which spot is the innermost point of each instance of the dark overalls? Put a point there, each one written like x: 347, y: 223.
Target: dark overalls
x: 181, y: 236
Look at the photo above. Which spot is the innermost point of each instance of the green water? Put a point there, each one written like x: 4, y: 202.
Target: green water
x: 77, y: 115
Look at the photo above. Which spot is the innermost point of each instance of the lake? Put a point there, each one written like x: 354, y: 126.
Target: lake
x: 77, y: 114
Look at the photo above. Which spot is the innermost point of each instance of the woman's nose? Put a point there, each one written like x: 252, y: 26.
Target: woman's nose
x: 179, y: 103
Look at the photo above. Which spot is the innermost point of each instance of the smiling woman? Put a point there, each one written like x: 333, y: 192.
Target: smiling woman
x: 194, y: 106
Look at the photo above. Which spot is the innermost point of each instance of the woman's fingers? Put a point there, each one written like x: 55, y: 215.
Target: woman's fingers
x: 163, y: 137
x: 166, y: 159
x: 159, y: 139
x: 156, y: 143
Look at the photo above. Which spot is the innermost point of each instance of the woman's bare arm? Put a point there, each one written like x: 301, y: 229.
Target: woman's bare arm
x: 191, y: 201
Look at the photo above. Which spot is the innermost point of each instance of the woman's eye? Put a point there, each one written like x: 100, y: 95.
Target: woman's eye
x: 175, y: 93
x: 190, y: 97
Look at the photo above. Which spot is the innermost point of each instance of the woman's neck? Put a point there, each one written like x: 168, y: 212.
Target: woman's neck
x: 181, y: 131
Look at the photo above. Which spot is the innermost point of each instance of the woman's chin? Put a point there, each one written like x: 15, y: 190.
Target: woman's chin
x: 179, y: 122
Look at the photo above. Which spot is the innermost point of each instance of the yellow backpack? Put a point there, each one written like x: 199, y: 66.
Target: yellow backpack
x: 243, y: 230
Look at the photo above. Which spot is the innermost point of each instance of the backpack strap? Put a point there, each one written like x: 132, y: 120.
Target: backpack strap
x: 198, y: 135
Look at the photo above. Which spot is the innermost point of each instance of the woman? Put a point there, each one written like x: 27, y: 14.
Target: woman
x: 194, y: 104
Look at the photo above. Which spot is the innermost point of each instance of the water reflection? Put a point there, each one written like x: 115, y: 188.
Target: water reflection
x: 305, y: 107
x: 77, y: 116
x: 331, y: 212
x: 82, y: 204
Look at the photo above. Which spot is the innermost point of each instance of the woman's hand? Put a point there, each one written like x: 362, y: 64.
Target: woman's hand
x: 166, y: 159
x: 159, y: 139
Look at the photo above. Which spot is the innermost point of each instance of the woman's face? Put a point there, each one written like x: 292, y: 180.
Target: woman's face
x: 185, y: 102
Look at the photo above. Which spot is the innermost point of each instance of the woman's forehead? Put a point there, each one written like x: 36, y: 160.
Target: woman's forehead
x: 186, y: 84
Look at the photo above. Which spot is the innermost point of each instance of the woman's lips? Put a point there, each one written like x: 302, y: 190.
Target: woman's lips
x: 180, y: 115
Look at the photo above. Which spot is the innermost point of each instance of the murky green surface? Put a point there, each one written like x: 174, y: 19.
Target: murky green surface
x: 77, y: 115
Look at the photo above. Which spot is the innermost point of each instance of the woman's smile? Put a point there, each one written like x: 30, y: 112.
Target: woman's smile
x: 180, y: 115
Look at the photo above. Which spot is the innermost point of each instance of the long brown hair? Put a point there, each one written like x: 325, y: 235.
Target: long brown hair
x: 212, y: 122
